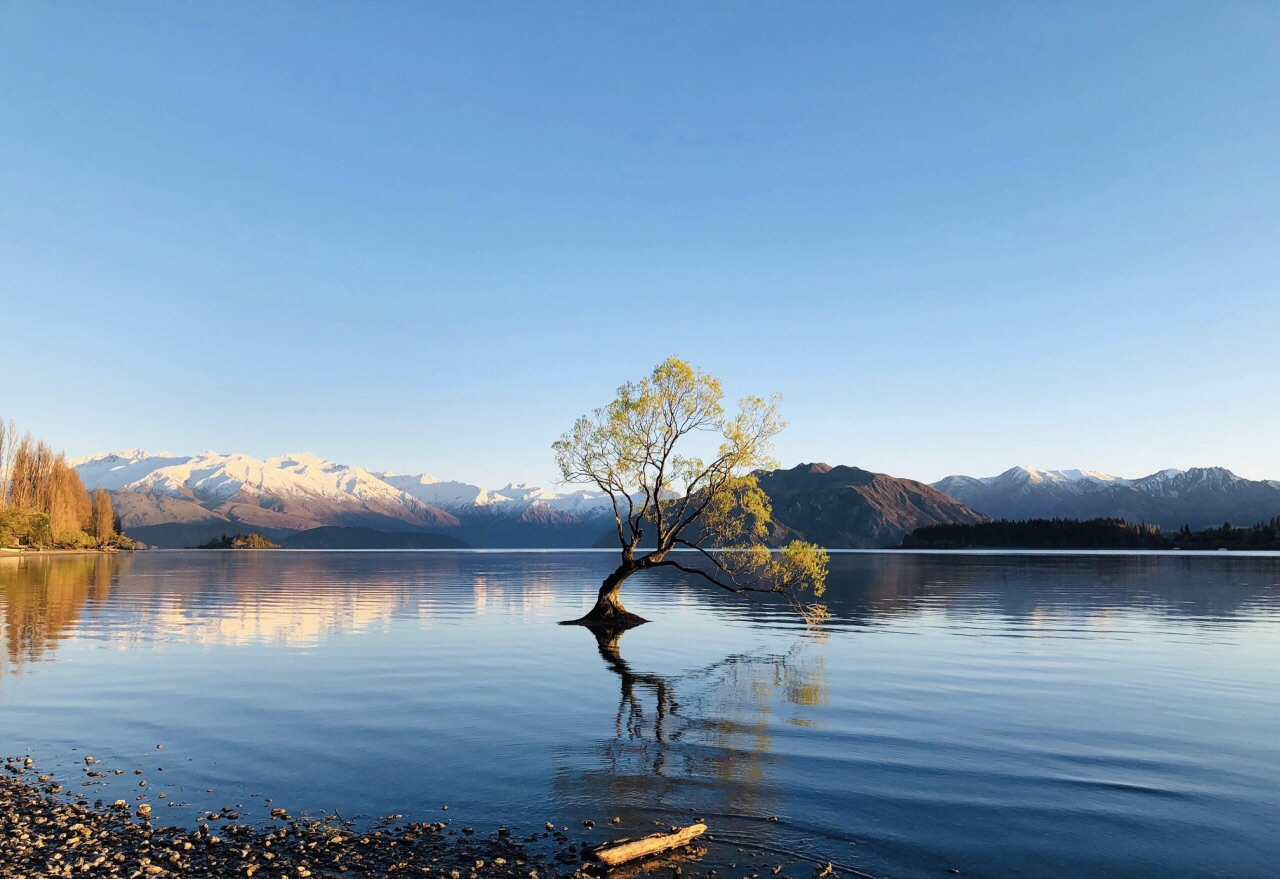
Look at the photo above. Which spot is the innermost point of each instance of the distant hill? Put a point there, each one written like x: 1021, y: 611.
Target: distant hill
x: 850, y: 508
x: 336, y: 537
x: 847, y: 507
x: 1201, y: 497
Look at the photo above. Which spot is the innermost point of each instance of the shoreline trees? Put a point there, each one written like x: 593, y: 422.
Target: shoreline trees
x: 43, y: 502
x: 1092, y: 534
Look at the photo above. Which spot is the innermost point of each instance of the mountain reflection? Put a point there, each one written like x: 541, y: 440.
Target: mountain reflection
x: 301, y: 599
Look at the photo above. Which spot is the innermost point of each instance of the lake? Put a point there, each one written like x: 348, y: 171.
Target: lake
x: 1000, y: 714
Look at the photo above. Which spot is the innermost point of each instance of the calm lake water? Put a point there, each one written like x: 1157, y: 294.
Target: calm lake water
x: 1001, y: 714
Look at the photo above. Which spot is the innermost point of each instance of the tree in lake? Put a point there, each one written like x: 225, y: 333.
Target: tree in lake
x: 680, y: 472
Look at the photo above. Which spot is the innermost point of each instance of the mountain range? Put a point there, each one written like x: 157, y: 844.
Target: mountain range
x: 171, y: 500
x: 1201, y: 497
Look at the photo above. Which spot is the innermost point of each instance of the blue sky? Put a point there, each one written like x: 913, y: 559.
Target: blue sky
x: 955, y: 237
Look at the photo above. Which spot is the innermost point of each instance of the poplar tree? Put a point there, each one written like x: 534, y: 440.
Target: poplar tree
x: 104, y: 515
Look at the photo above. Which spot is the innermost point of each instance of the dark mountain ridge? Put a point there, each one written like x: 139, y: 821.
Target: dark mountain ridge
x: 850, y: 508
x: 847, y: 507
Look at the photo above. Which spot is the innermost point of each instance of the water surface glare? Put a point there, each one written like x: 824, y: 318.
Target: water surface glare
x: 1001, y: 714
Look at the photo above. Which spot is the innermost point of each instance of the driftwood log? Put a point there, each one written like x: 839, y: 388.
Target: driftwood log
x: 613, y: 854
x: 645, y: 868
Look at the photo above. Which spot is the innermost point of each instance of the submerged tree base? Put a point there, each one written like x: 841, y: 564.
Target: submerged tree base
x: 608, y: 616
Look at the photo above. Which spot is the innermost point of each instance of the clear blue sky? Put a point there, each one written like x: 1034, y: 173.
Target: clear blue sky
x: 955, y: 236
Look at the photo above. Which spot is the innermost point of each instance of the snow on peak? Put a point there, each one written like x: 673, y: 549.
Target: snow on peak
x: 443, y: 494
x: 512, y: 499
x: 1172, y: 483
x: 124, y: 455
x: 1088, y: 476
x: 1023, y: 481
x: 523, y: 491
x: 1161, y: 476
x: 1068, y: 475
x: 214, y: 478
x: 1031, y: 476
x: 300, y: 459
x: 118, y: 469
x: 419, y: 479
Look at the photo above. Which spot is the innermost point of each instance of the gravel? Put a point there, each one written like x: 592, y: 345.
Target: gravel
x: 43, y: 833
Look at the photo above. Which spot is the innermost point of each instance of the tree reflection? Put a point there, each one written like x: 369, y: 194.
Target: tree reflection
x: 672, y: 733
x: 631, y: 715
x: 43, y: 598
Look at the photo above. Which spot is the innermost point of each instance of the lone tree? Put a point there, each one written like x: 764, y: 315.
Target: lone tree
x: 642, y: 451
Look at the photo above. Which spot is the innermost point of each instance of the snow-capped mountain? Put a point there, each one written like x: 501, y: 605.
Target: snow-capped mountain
x: 174, y: 500
x: 1027, y: 482
x: 118, y: 469
x: 512, y: 499
x: 1201, y: 497
x: 1180, y: 483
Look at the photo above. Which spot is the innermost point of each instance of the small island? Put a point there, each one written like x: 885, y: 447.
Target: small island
x: 240, y: 541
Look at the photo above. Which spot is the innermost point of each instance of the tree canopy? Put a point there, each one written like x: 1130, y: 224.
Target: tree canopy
x: 680, y: 470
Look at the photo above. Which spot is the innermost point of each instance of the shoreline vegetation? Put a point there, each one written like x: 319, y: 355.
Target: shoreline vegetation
x: 1093, y: 534
x: 44, y: 504
x: 240, y: 541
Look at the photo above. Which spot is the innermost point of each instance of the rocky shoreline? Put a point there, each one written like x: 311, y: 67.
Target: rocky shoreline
x: 46, y: 832
x: 50, y: 830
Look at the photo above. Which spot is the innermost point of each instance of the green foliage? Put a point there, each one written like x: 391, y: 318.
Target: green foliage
x: 27, y: 528
x: 75, y: 539
x: 116, y: 540
x: 24, y: 528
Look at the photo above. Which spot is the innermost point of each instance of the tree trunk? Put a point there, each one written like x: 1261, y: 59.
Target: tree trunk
x: 609, y: 612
